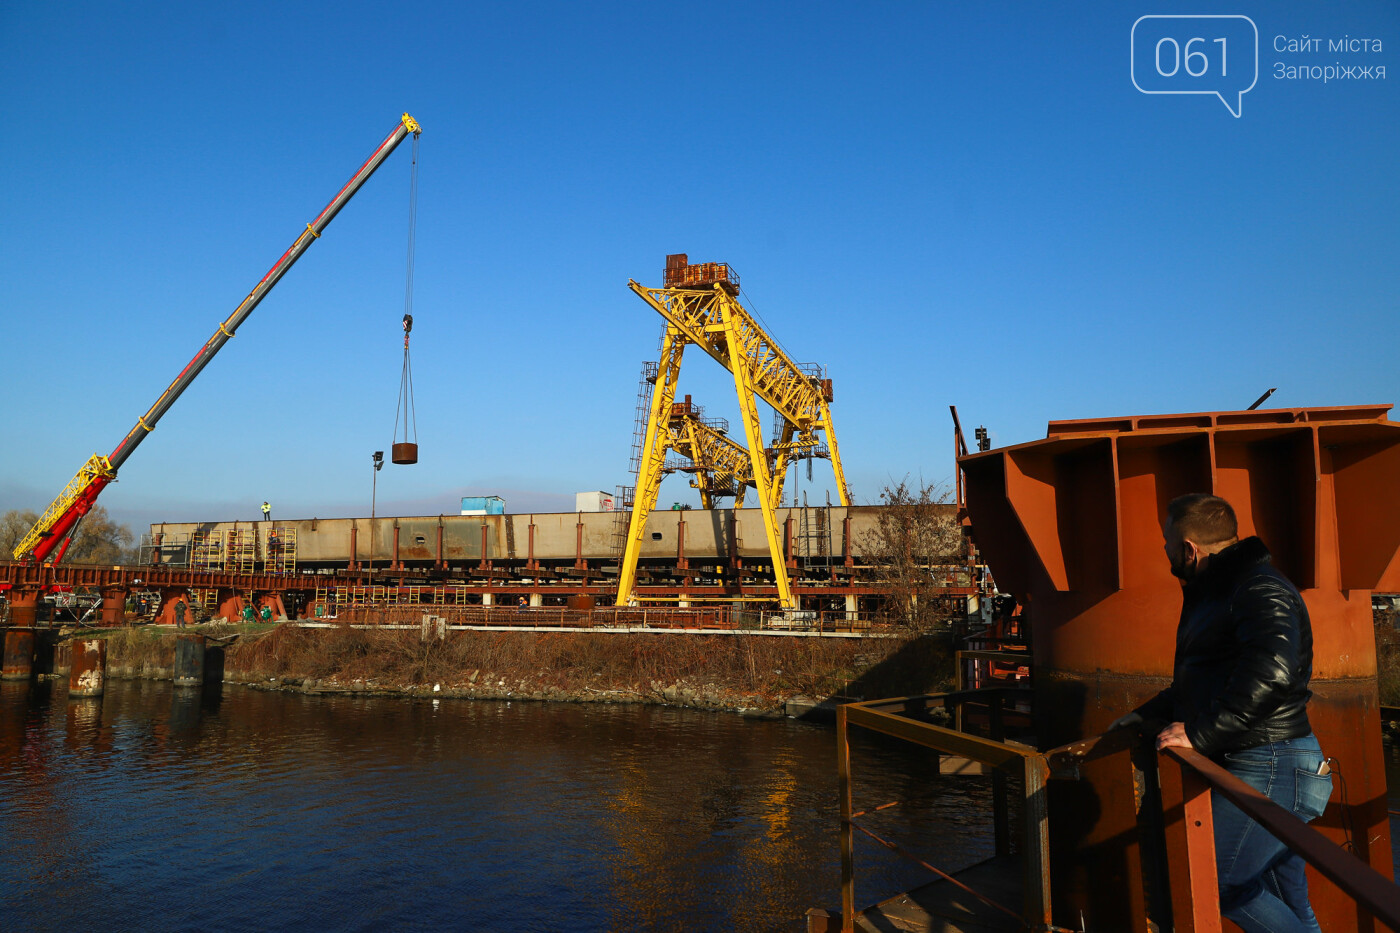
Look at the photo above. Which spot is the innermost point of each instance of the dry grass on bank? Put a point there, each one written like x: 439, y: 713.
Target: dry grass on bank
x: 816, y: 667
x: 767, y: 666
x: 139, y: 647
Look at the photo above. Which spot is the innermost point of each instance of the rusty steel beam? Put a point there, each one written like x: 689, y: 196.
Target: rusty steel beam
x: 38, y: 578
x: 1071, y: 525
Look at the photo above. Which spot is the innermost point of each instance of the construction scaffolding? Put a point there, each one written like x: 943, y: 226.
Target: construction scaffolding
x: 242, y: 550
x: 280, y: 549
x: 206, y: 551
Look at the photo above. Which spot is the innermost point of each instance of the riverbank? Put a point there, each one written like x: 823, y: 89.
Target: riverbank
x: 752, y: 675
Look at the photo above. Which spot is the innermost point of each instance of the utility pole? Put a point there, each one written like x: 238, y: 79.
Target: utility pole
x: 373, y: 491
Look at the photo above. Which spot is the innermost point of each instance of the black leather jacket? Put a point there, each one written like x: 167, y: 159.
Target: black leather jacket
x: 1243, y: 656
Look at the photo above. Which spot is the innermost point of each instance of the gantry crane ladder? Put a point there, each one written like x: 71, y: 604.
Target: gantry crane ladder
x: 702, y: 308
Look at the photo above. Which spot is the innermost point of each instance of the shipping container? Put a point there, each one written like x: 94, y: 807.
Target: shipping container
x: 593, y: 502
x: 483, y: 505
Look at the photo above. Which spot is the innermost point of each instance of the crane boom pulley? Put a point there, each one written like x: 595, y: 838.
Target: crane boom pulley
x: 60, y: 520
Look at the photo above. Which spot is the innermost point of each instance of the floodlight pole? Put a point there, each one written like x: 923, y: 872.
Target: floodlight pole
x: 373, y: 492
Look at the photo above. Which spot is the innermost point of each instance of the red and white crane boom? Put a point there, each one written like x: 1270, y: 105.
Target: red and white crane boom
x: 50, y: 535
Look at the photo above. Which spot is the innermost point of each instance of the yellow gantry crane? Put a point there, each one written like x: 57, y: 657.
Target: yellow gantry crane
x: 700, y: 305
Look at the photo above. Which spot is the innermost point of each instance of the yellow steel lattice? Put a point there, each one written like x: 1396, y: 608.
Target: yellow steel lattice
x: 206, y: 551
x: 714, y: 320
x: 97, y: 466
x: 722, y: 467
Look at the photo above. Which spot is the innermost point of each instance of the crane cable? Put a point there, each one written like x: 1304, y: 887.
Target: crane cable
x: 405, y: 405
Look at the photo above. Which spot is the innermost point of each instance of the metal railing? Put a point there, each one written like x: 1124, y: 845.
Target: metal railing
x: 909, y: 719
x: 1189, y: 890
x: 1199, y: 776
x: 1192, y: 886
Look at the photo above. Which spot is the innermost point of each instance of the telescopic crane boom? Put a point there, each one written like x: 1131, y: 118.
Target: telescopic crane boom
x: 50, y: 535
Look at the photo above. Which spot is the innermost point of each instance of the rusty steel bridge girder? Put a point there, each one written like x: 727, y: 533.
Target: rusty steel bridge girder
x: 1071, y: 525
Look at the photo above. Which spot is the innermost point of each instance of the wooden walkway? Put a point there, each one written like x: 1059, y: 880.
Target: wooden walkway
x: 941, y: 907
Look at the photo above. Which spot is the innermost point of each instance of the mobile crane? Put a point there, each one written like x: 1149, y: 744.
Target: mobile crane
x: 53, y: 532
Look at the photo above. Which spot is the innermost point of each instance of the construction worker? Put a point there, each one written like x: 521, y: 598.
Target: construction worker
x: 180, y: 613
x: 267, y: 512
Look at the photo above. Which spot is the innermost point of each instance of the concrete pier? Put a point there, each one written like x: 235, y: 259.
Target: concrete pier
x: 19, y: 654
x: 62, y: 659
x: 88, y: 675
x: 189, y: 660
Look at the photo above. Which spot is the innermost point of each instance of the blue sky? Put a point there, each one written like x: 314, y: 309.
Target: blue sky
x: 942, y: 204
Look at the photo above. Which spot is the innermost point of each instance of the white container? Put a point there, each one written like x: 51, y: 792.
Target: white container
x: 593, y: 502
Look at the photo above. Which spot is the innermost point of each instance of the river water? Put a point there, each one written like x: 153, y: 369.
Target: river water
x: 161, y: 809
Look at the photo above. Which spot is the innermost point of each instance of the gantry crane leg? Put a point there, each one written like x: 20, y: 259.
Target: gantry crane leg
x: 840, y: 474
x: 653, y: 459
x: 753, y: 430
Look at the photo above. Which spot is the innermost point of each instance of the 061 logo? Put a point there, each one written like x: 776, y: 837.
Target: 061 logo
x: 1211, y: 54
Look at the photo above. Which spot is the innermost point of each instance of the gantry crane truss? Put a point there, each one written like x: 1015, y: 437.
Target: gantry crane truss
x: 720, y: 466
x: 711, y: 317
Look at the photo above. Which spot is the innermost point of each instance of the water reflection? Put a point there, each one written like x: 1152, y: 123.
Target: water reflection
x: 270, y: 809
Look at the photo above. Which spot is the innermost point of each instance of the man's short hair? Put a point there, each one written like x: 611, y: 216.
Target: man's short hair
x: 1203, y: 518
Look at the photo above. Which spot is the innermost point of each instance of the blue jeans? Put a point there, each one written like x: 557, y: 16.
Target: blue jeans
x: 1263, y: 887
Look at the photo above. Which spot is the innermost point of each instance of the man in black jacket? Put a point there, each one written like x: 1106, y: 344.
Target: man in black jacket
x: 1239, y: 695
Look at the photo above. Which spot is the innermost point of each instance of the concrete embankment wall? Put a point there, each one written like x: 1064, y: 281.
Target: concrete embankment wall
x: 751, y: 673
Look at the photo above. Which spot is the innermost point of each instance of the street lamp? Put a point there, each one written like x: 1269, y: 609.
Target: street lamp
x: 373, y: 490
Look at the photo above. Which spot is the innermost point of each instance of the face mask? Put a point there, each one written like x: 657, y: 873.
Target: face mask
x: 1181, y: 569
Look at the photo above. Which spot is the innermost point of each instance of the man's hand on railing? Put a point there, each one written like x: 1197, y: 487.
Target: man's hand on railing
x: 1174, y: 736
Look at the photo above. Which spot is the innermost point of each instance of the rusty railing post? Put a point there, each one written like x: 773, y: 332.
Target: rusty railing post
x: 1036, y: 859
x: 848, y: 858
x: 1200, y: 852
x: 1189, y: 831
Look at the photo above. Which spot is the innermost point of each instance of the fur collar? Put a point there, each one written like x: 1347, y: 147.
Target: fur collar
x: 1228, y: 566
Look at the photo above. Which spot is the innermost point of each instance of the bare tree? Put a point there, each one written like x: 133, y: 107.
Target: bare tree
x: 99, y: 540
x: 915, y: 538
x: 14, y: 525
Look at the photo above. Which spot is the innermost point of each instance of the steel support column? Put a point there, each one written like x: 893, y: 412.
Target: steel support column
x: 653, y: 460
x: 763, y: 480
x: 113, y: 605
